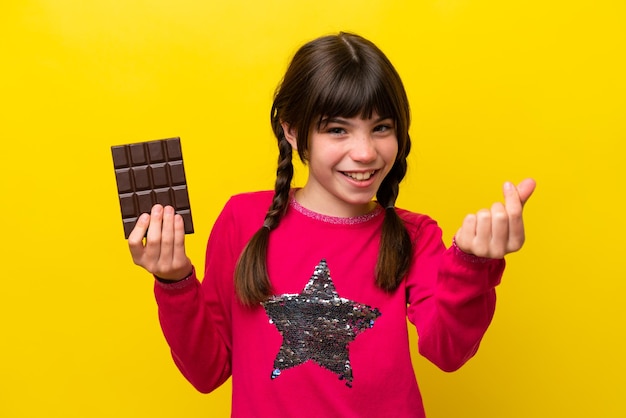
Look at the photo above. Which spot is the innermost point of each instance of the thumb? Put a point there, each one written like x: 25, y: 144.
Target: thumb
x: 526, y: 189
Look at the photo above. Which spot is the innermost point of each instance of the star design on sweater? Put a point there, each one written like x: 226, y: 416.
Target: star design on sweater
x: 318, y: 325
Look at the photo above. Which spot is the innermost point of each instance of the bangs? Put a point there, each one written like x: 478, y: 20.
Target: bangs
x: 354, y: 92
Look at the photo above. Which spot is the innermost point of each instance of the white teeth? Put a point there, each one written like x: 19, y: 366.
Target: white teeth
x: 360, y: 176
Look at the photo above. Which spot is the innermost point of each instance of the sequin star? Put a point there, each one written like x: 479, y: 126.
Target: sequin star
x: 318, y: 325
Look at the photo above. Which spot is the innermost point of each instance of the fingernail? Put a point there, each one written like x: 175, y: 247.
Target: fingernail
x: 508, y: 185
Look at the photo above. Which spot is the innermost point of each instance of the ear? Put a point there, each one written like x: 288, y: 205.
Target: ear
x: 290, y: 135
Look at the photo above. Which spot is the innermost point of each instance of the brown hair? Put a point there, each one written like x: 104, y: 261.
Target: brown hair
x: 340, y: 75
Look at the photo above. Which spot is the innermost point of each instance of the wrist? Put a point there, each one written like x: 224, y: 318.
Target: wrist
x: 171, y: 281
x: 467, y: 256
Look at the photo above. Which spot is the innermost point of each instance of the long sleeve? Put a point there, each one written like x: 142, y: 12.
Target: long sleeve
x: 451, y: 298
x: 196, y: 317
x: 199, y: 350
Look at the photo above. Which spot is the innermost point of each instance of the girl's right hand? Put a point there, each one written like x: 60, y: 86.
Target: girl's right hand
x: 163, y: 251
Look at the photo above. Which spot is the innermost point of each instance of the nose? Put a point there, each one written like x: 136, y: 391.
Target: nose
x: 363, y: 149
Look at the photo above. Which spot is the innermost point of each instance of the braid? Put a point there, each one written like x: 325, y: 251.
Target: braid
x: 394, y: 255
x: 284, y: 175
x: 252, y: 282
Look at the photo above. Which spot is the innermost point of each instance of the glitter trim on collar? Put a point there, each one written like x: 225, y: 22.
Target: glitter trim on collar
x: 353, y: 220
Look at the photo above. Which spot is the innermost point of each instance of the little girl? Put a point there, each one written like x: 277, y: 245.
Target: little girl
x: 305, y: 304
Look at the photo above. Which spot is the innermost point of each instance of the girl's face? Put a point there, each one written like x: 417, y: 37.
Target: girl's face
x: 348, y: 159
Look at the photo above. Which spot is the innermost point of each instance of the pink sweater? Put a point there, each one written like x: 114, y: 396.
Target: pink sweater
x: 330, y: 343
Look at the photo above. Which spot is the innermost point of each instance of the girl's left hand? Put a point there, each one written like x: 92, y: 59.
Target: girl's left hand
x: 499, y: 231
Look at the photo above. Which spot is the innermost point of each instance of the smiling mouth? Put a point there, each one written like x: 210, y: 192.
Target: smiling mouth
x: 359, y: 176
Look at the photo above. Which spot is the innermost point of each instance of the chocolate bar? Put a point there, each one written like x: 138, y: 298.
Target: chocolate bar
x: 148, y: 173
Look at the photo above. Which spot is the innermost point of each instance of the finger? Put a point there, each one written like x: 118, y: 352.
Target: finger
x: 499, y: 231
x: 181, y: 262
x: 179, y: 237
x: 512, y: 199
x: 466, y: 233
x: 482, y: 241
x: 167, y: 237
x: 135, y: 239
x: 526, y: 189
x: 514, y: 206
x: 153, y: 237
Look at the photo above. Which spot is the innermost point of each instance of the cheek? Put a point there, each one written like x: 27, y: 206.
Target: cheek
x: 390, y: 151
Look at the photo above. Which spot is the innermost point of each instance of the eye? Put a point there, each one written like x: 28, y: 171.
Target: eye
x: 383, y: 127
x: 335, y: 130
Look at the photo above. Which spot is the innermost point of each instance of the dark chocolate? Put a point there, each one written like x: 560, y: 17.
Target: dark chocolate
x: 148, y: 173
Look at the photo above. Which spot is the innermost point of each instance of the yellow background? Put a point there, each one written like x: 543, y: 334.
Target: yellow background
x: 500, y: 90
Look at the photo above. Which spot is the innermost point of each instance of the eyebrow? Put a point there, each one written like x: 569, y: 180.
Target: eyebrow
x: 342, y: 121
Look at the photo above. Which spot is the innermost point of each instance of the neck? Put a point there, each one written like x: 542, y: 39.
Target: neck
x: 340, y: 210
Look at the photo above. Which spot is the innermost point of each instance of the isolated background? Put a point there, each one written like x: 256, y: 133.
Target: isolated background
x: 500, y: 90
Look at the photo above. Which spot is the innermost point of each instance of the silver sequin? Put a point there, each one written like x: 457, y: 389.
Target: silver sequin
x: 318, y: 325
